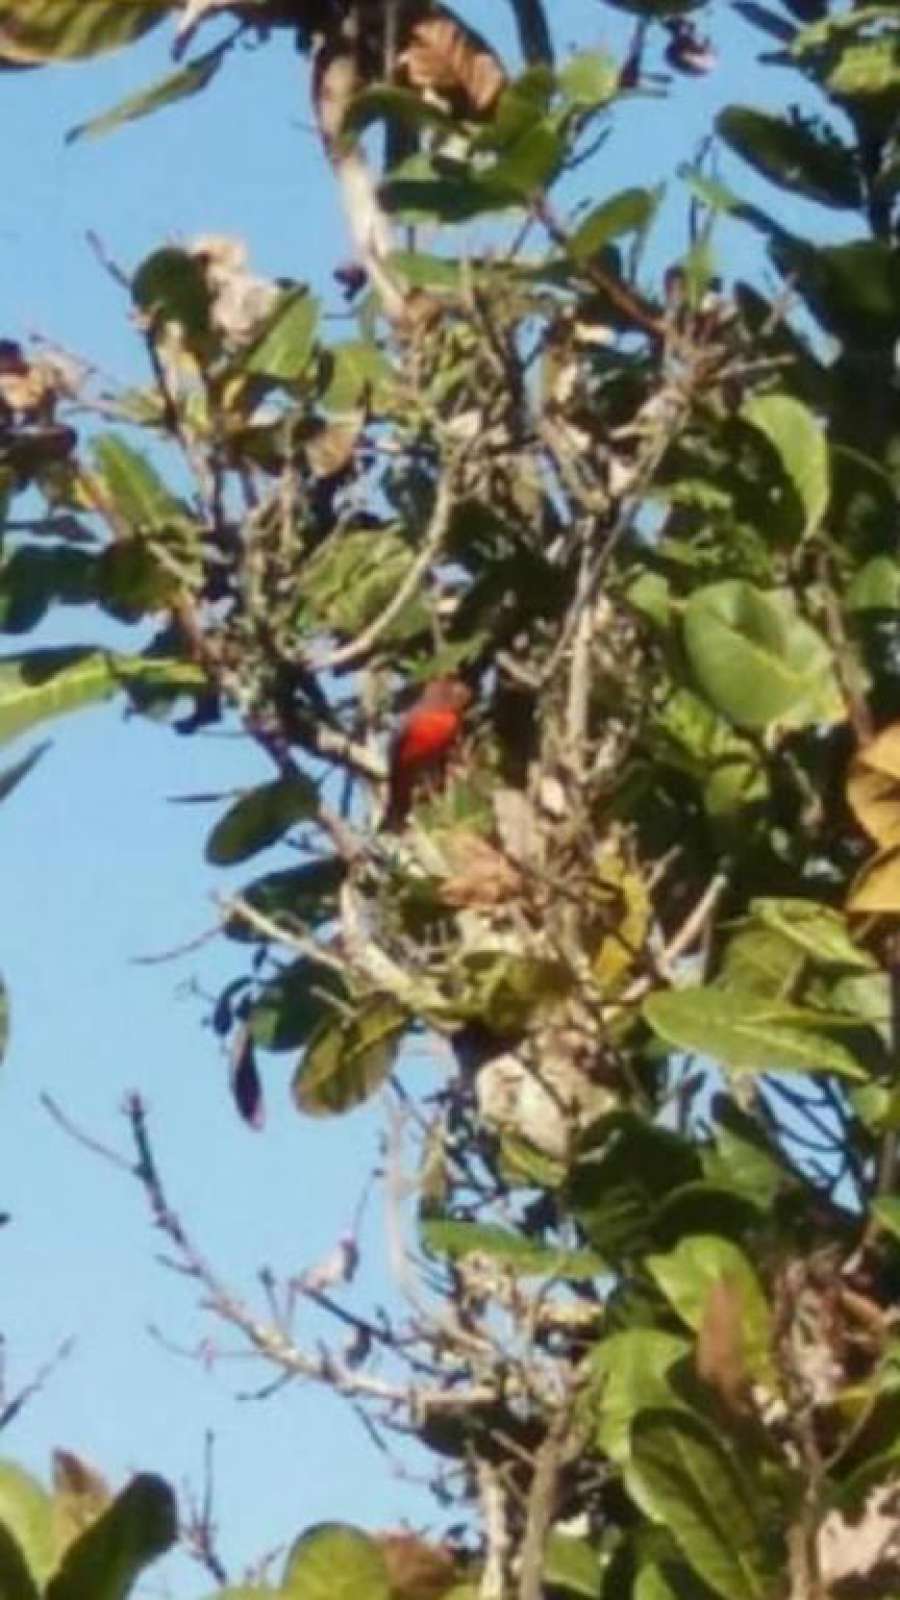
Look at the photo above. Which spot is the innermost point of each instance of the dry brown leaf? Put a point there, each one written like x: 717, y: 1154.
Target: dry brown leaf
x: 416, y: 1570
x: 445, y: 58
x: 720, y: 1356
x: 876, y: 888
x: 80, y: 1496
x: 481, y: 876
x: 873, y: 787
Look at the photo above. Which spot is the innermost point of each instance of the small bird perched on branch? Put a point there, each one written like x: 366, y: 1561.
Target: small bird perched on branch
x: 422, y: 743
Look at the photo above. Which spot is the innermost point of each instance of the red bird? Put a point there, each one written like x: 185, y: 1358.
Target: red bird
x: 422, y: 743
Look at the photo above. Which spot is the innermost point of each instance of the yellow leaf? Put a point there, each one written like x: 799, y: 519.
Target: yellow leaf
x: 876, y: 888
x: 873, y: 787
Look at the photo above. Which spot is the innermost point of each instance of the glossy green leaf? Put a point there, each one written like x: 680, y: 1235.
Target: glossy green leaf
x: 572, y: 1565
x: 63, y: 30
x: 822, y: 933
x: 307, y: 894
x: 37, y: 576
x: 348, y: 1058
x: 136, y: 490
x: 687, y: 1274
x: 260, y: 817
x: 334, y: 1561
x: 283, y: 350
x: 523, y: 1256
x: 800, y: 442
x: 747, y: 1033
x: 356, y: 374
x: 49, y: 683
x: 628, y: 212
x: 589, y: 78
x: 757, y: 661
x: 139, y: 1526
x: 680, y: 1475
x: 633, y: 1370
x: 284, y: 1014
x: 792, y: 155
x: 27, y: 1548
x: 171, y: 286
x: 175, y: 86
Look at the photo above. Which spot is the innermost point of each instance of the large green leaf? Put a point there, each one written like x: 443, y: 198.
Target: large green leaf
x: 140, y: 1525
x: 758, y: 661
x: 633, y: 1370
x: 261, y: 817
x: 747, y: 1033
x: 48, y: 683
x: 334, y: 1561
x: 352, y: 576
x: 853, y: 289
x: 35, y: 576
x: 307, y: 893
x: 793, y: 155
x: 175, y: 86
x: 682, y: 1477
x: 171, y: 286
x: 687, y: 1274
x: 617, y: 1187
x: 801, y: 444
x: 348, y: 1058
x: 283, y: 349
x: 628, y: 212
x: 62, y: 30
x: 820, y: 932
x: 27, y: 1547
x: 136, y: 490
x: 522, y: 1256
x: 573, y: 1565
x: 294, y: 1003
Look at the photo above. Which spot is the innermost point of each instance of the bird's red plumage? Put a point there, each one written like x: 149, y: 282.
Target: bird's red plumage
x: 424, y: 737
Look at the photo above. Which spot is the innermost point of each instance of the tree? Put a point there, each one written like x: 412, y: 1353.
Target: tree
x: 646, y: 903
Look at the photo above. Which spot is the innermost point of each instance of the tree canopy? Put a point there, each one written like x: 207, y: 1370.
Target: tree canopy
x: 642, y: 902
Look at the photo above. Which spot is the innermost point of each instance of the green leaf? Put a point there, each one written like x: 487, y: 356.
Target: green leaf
x: 136, y: 490
x: 175, y: 86
x: 348, y: 1058
x: 334, y: 1561
x: 293, y: 1004
x: 853, y: 289
x: 283, y: 350
x: 800, y: 442
x: 747, y: 1033
x: 351, y: 577
x: 35, y: 576
x: 171, y: 286
x: 522, y: 1256
x: 687, y: 1274
x: 573, y: 1565
x: 27, y: 1548
x: 617, y: 1186
x: 357, y: 374
x: 63, y: 30
x: 48, y: 683
x: 306, y: 894
x: 793, y: 156
x: 630, y: 211
x: 887, y: 1212
x: 818, y: 930
x: 589, y: 78
x: 876, y: 586
x: 13, y: 775
x: 527, y: 166
x: 261, y: 817
x: 757, y: 661
x: 681, y: 1476
x: 140, y: 1525
x: 633, y: 1368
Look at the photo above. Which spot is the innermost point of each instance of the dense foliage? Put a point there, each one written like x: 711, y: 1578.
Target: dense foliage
x: 648, y: 916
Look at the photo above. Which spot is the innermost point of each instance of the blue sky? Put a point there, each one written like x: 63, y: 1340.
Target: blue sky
x: 98, y: 868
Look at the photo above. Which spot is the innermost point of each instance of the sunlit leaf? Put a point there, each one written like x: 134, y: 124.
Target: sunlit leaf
x: 49, y: 683
x: 745, y: 1033
x: 283, y: 349
x: 348, y: 1058
x: 688, y: 1274
x: 522, y: 1256
x: 800, y: 442
x: 139, y: 1525
x: 62, y: 30
x: 334, y: 1561
x: 27, y: 1550
x: 174, y: 87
